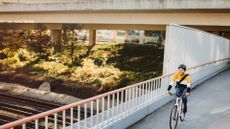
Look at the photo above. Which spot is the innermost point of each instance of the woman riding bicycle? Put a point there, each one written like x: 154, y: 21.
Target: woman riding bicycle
x: 182, y: 81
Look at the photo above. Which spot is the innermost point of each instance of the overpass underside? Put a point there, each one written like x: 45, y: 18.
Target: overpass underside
x: 217, y: 22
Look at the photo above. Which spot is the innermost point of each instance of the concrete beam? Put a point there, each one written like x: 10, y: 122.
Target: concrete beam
x: 208, y: 19
x: 27, y: 26
x: 123, y: 27
x: 213, y: 28
x: 111, y: 5
x: 58, y: 26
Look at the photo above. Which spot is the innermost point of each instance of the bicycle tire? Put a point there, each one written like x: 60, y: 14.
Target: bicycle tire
x: 182, y: 115
x: 173, y: 112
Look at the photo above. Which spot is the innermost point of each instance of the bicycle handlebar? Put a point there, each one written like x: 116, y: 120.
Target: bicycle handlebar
x: 174, y: 94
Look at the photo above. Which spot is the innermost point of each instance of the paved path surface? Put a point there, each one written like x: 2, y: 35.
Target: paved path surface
x: 208, y: 108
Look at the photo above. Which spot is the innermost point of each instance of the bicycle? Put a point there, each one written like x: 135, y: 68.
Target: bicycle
x: 176, y: 112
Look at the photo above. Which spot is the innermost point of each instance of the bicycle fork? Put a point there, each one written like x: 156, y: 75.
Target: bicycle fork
x: 179, y: 105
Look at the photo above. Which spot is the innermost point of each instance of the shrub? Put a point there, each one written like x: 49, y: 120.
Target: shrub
x: 51, y: 69
x: 10, y: 63
x: 15, y: 58
x: 25, y: 55
x: 62, y: 58
x: 101, y: 77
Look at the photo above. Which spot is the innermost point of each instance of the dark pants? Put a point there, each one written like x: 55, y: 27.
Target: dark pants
x: 180, y: 91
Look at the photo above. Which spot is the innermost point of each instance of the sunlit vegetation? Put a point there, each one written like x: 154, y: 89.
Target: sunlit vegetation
x: 106, y: 67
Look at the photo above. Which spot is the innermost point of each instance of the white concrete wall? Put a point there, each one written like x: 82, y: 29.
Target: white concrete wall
x: 192, y: 47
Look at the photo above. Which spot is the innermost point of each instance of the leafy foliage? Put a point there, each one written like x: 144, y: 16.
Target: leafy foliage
x: 51, y: 69
x: 103, y: 77
x: 12, y: 60
x: 107, y: 66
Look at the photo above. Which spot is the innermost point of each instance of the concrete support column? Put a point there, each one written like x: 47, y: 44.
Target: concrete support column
x: 142, y: 35
x: 56, y: 39
x: 92, y: 37
x: 114, y: 35
x: 126, y: 35
x: 55, y: 36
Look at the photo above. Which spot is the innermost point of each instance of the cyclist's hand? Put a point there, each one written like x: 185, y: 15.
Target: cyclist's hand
x: 187, y: 94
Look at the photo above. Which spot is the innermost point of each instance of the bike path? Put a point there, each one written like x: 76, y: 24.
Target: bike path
x: 208, y: 108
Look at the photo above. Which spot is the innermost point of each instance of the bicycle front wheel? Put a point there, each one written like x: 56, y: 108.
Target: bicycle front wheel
x: 182, y: 114
x: 174, y: 117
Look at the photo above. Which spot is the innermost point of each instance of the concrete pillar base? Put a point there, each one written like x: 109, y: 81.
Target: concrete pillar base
x: 142, y: 36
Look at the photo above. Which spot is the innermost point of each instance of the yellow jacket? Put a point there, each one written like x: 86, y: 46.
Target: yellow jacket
x: 177, y: 77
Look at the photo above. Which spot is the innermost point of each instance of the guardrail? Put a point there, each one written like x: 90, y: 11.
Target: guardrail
x: 105, y: 109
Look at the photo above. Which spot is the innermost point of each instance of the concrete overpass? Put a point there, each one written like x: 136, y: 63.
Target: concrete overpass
x: 210, y: 15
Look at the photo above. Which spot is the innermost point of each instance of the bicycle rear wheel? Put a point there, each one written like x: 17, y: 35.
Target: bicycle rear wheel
x: 174, y: 116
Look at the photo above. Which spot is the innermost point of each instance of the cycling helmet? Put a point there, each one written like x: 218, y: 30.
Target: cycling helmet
x: 183, y: 66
